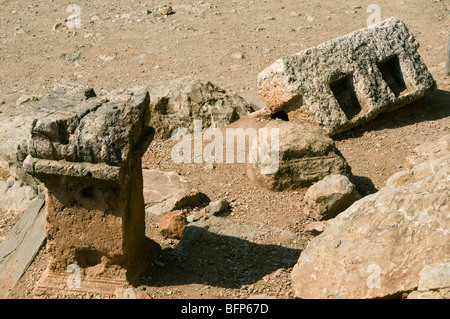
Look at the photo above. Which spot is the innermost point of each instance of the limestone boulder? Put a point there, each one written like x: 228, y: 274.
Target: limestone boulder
x: 176, y: 103
x: 330, y: 196
x: 394, y: 243
x: 304, y: 155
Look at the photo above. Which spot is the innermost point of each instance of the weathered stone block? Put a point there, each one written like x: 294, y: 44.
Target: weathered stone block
x: 175, y: 103
x: 349, y: 80
x: 306, y: 155
x: 88, y: 155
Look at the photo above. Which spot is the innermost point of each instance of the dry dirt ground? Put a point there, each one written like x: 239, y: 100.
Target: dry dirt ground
x: 128, y: 43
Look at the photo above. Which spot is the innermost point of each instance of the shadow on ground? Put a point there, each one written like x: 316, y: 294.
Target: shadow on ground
x: 222, y: 261
x: 433, y: 107
x: 364, y: 185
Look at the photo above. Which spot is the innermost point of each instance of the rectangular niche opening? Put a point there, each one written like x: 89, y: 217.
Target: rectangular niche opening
x: 392, y: 74
x: 344, y: 92
x: 88, y: 257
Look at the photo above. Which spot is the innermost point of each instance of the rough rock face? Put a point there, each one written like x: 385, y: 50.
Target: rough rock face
x: 330, y: 196
x: 167, y: 191
x: 15, y: 194
x: 389, y: 244
x: 176, y: 103
x: 349, y: 80
x: 306, y: 155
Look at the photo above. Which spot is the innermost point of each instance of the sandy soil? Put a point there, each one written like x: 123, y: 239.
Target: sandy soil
x: 128, y: 43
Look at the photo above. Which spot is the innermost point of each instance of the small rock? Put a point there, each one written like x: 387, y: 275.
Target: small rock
x: 58, y: 26
x: 125, y: 16
x: 140, y: 58
x: 75, y: 57
x: 166, y: 10
x: 107, y: 58
x: 330, y: 196
x: 316, y: 228
x: 238, y: 55
x: 217, y: 207
x: 172, y: 224
x: 25, y: 98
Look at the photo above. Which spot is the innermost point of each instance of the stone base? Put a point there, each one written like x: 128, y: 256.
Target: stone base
x: 65, y: 284
x: 58, y: 283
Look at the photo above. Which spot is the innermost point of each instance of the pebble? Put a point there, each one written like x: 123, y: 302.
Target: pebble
x: 75, y: 57
x: 166, y: 10
x: 159, y: 263
x: 140, y: 58
x: 107, y: 58
x: 238, y: 55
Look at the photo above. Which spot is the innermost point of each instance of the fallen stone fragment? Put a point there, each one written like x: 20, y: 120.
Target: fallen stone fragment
x: 393, y: 243
x: 176, y: 103
x: 238, y: 55
x: 306, y: 155
x: 349, y: 80
x: 165, y: 10
x: 172, y: 224
x: 330, y: 196
x: 217, y: 207
x: 167, y: 191
x: 75, y: 57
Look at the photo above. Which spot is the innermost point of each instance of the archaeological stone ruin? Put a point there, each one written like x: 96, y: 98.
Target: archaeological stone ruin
x: 349, y: 80
x: 87, y: 152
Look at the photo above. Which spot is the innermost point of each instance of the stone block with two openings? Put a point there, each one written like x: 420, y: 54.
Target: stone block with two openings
x: 349, y: 80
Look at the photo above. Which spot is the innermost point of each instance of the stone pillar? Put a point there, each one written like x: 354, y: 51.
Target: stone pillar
x: 88, y: 155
